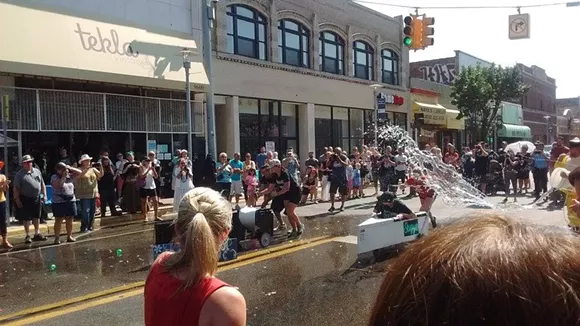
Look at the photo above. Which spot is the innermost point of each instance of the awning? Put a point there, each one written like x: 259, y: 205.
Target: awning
x: 9, y: 141
x: 452, y: 122
x: 58, y: 45
x: 514, y: 131
x: 434, y: 114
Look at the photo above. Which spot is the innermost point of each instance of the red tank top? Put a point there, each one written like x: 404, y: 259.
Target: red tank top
x: 166, y: 305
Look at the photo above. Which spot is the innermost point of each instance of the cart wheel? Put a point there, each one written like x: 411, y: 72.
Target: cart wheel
x: 265, y: 239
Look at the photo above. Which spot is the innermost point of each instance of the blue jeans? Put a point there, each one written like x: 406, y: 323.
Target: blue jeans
x: 87, y: 213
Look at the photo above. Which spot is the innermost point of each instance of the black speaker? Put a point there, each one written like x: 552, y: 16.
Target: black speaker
x: 164, y: 232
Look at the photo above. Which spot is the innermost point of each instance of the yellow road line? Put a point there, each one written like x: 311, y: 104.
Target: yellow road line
x: 66, y: 311
x: 243, y: 260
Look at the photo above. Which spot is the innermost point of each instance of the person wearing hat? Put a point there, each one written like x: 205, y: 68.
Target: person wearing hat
x: 4, y: 183
x: 286, y: 195
x: 63, y: 200
x: 130, y: 192
x: 388, y: 206
x: 86, y: 190
x: 29, y: 194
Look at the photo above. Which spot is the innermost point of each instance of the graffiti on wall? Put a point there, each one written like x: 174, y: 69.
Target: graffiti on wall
x: 439, y: 73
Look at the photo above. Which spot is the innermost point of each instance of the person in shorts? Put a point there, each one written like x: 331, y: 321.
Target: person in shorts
x: 237, y: 187
x: 148, y: 190
x: 286, y: 195
x: 29, y: 195
x: 338, y: 183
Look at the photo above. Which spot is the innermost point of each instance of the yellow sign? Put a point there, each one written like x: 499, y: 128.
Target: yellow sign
x: 433, y: 114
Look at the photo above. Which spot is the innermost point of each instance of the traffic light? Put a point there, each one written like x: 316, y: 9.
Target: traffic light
x: 417, y: 27
x: 426, y: 41
x: 408, y: 31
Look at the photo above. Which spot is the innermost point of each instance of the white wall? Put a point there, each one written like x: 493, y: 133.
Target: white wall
x: 170, y: 15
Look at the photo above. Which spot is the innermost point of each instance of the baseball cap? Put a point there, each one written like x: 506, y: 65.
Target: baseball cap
x: 388, y: 197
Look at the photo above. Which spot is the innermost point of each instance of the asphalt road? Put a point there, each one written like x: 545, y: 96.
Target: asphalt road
x: 303, y: 283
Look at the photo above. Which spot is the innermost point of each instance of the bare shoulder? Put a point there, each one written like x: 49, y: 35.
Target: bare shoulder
x: 226, y: 306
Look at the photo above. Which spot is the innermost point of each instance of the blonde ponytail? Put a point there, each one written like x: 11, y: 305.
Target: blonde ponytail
x: 203, y: 217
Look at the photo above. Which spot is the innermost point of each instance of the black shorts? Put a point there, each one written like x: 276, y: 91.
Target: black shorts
x: 31, y: 209
x: 293, y: 196
x: 277, y: 205
x: 401, y: 176
x: 340, y: 187
x: 305, y: 191
x: 144, y: 193
x: 66, y: 209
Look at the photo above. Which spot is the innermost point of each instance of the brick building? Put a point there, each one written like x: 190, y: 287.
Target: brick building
x: 539, y: 103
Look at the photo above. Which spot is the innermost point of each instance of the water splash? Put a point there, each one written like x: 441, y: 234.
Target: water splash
x: 449, y: 184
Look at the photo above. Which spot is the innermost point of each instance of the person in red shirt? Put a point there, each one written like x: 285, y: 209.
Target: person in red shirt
x: 451, y: 156
x: 558, y: 149
x: 426, y: 193
x: 181, y: 288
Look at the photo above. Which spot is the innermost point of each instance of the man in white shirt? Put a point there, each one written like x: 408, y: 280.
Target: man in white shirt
x: 401, y: 167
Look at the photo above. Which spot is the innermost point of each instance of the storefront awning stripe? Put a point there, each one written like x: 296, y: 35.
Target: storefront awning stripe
x: 430, y: 106
x: 514, y: 131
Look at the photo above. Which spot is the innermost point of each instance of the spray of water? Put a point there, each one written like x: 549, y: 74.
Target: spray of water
x: 449, y: 185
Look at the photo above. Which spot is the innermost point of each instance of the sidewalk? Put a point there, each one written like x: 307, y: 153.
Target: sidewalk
x: 309, y: 210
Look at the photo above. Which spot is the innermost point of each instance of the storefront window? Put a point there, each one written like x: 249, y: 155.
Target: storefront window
x: 342, y: 127
x: 264, y: 121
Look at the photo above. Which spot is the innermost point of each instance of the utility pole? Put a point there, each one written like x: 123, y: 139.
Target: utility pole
x: 208, y: 17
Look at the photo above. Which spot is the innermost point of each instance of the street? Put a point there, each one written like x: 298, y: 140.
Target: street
x: 315, y: 280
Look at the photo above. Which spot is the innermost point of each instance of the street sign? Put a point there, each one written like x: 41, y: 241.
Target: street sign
x: 519, y: 26
x: 381, y: 107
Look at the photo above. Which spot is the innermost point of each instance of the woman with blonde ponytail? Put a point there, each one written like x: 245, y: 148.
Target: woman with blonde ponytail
x: 181, y: 288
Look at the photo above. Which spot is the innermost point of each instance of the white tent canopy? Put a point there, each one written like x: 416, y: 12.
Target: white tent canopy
x: 9, y: 141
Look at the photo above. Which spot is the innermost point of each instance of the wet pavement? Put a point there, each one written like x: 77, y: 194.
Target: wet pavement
x: 320, y: 285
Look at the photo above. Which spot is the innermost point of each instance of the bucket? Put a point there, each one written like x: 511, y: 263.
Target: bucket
x: 247, y: 217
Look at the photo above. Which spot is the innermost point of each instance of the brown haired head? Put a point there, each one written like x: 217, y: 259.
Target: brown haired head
x: 484, y: 271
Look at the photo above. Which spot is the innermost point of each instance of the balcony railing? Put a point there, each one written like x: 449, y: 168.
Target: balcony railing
x: 59, y: 110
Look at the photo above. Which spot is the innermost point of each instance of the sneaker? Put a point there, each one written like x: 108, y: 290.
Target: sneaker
x: 57, y: 241
x: 341, y: 208
x: 331, y: 209
x: 300, y: 229
x: 27, y: 240
x: 39, y: 237
x: 71, y: 239
x: 280, y: 227
x: 291, y: 233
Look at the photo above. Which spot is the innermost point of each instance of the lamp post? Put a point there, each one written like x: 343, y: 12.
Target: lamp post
x: 547, y: 117
x: 208, y: 17
x: 376, y: 115
x: 187, y: 53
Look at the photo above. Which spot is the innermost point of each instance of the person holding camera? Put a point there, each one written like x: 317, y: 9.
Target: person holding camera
x: 338, y: 163
x: 183, y: 177
x: 148, y: 189
x: 63, y: 200
x: 86, y: 190
x: 130, y: 193
x: 224, y: 176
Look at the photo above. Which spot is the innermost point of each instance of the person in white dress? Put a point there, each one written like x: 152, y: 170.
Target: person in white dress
x: 183, y: 181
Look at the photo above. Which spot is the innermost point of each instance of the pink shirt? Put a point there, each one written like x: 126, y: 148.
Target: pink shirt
x: 252, y: 182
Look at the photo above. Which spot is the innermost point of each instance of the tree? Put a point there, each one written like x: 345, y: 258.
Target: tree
x: 478, y: 93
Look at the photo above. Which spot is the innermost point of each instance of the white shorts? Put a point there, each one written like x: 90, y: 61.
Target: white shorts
x: 237, y: 188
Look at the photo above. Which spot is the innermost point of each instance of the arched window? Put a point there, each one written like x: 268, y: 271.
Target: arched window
x: 390, y: 67
x: 246, y: 32
x: 331, y: 53
x: 363, y: 55
x: 293, y: 43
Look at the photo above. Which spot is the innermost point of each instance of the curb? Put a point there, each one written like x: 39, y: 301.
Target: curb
x: 100, y: 223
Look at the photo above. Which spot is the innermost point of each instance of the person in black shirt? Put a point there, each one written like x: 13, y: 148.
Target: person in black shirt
x: 524, y: 159
x: 481, y: 167
x: 389, y: 207
x: 107, y: 188
x: 286, y: 194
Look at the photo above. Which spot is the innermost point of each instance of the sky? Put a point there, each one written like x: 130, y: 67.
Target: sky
x: 554, y: 42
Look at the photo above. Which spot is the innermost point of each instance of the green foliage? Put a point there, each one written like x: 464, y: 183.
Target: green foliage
x: 478, y: 92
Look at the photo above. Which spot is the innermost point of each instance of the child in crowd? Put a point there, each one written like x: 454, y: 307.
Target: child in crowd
x: 388, y: 206
x: 357, y: 190
x: 252, y: 182
x: 426, y: 195
x: 349, y: 177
